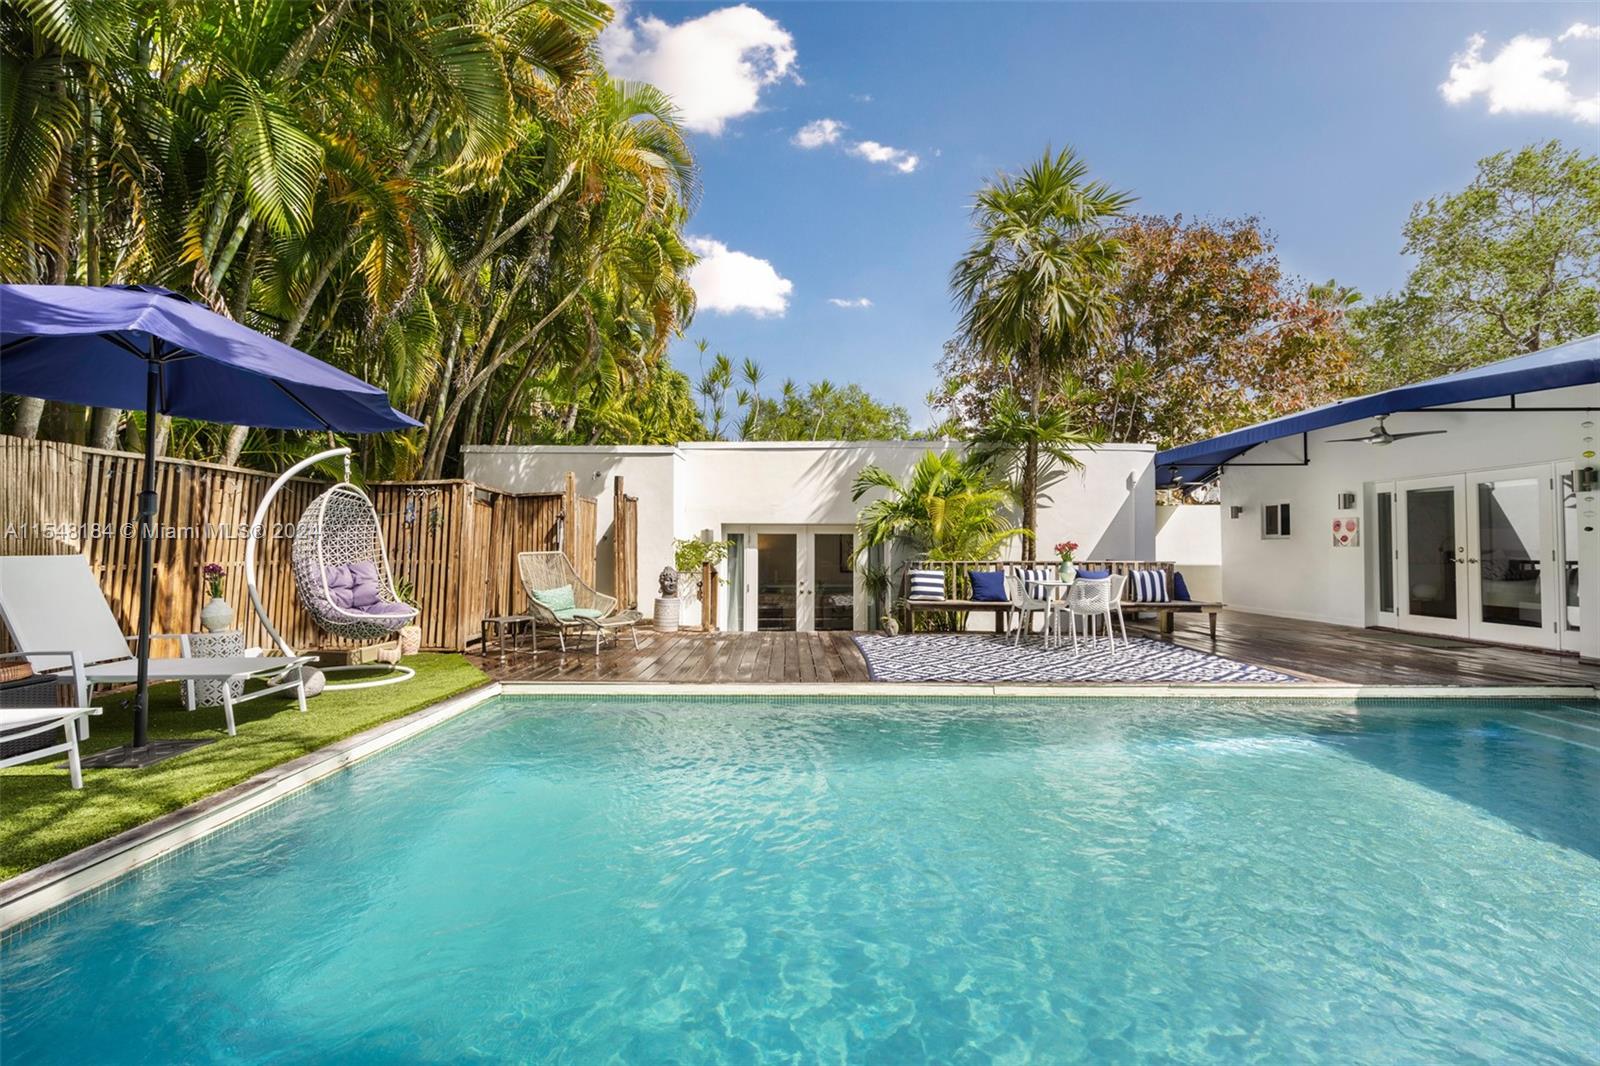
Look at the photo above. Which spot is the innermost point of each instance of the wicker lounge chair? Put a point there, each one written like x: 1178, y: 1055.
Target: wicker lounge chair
x: 592, y: 612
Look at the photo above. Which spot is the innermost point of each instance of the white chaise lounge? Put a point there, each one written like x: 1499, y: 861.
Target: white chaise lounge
x: 29, y: 708
x: 53, y: 601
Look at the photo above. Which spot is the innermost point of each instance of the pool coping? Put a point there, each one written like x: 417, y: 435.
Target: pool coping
x: 1053, y: 690
x: 35, y: 894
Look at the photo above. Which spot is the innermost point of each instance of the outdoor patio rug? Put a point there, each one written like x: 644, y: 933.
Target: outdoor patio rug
x: 983, y: 657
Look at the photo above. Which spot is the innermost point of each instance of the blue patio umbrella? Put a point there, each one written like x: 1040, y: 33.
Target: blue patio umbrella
x: 144, y: 347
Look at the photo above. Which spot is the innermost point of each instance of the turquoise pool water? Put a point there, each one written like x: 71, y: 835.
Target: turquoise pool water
x: 879, y: 881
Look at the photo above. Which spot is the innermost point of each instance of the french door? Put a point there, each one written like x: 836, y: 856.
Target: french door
x: 1474, y: 555
x: 803, y: 579
x: 1431, y: 545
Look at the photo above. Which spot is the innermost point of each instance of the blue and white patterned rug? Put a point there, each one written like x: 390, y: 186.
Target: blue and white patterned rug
x: 986, y: 658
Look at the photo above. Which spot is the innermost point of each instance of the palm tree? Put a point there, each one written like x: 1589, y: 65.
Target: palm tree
x: 947, y: 508
x: 1034, y: 287
x: 1012, y: 431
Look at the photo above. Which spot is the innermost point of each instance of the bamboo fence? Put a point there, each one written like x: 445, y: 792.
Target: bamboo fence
x: 455, y: 542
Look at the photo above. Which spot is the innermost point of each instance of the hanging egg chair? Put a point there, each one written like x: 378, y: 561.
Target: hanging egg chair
x: 341, y: 571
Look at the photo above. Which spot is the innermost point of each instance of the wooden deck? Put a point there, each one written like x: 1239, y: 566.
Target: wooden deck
x: 1308, y: 649
x: 759, y: 658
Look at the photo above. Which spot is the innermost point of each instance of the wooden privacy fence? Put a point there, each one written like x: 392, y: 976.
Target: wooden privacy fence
x: 625, y: 545
x: 454, y: 541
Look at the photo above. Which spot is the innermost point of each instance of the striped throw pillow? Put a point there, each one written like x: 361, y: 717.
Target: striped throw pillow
x: 1150, y: 586
x: 1031, y: 579
x: 926, y: 585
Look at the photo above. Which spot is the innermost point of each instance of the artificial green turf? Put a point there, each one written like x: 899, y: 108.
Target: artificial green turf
x: 42, y: 817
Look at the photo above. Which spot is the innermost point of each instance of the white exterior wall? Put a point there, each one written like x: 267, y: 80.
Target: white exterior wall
x: 1191, y: 536
x: 1305, y: 576
x: 693, y: 489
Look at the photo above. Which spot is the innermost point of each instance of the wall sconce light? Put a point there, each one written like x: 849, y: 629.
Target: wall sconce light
x: 1235, y: 511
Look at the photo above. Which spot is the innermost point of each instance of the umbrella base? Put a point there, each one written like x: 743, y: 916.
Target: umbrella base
x: 128, y: 757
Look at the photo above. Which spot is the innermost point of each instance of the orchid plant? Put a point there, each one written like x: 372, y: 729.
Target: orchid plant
x: 213, y: 574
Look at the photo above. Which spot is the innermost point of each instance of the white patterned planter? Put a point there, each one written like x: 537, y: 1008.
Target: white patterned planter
x: 667, y: 612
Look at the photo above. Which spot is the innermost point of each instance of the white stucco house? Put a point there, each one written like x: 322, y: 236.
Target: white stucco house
x: 787, y: 508
x: 1463, y: 507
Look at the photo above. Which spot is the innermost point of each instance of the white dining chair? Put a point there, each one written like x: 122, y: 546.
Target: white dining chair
x: 1089, y: 599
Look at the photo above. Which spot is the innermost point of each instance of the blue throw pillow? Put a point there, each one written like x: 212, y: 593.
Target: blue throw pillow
x: 1180, y: 591
x: 1094, y: 575
x: 989, y: 586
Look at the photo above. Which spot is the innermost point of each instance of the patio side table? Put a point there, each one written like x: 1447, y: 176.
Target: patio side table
x: 223, y: 645
x: 501, y: 622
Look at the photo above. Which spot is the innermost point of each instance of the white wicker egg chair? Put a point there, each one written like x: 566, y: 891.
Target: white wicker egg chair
x: 338, y: 528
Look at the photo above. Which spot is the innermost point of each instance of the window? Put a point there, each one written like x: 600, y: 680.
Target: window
x: 1275, y: 520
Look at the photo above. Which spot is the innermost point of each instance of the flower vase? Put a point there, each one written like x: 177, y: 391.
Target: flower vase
x: 216, y: 616
x: 1067, y: 572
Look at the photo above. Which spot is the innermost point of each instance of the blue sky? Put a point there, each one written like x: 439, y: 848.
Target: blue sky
x: 1325, y: 121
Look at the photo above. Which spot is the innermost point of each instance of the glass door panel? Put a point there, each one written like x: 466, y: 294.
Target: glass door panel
x: 1567, y: 575
x: 1431, y: 552
x: 1508, y: 557
x: 1386, y: 553
x: 736, y: 583
x: 834, y: 581
x: 1507, y: 563
x: 776, y: 587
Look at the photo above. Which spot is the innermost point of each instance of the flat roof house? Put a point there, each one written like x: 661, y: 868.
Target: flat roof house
x: 787, y: 507
x: 1463, y: 507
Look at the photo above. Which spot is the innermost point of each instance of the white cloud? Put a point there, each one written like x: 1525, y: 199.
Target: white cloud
x: 714, y: 67
x: 825, y: 131
x: 1523, y: 77
x: 726, y: 282
x: 816, y: 134
x: 859, y: 301
x: 1581, y: 31
x: 873, y: 152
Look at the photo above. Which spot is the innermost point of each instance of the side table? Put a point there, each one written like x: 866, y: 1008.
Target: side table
x: 227, y: 644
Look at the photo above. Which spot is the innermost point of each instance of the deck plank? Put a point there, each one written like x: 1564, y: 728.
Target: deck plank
x: 1308, y: 649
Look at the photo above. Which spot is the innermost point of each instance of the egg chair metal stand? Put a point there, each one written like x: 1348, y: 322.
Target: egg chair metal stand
x: 336, y: 530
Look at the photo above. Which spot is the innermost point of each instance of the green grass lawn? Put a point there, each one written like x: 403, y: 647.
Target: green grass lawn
x: 42, y: 817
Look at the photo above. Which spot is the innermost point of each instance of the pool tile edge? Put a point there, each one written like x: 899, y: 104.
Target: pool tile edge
x: 1047, y: 690
x: 35, y: 894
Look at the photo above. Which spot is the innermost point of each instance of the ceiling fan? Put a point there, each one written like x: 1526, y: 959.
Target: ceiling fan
x: 1380, y: 435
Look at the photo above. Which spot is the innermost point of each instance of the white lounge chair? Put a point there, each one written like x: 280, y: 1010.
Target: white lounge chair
x: 53, y: 601
x: 28, y: 708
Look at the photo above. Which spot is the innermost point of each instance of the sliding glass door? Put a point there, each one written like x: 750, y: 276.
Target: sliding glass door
x: 1509, y: 555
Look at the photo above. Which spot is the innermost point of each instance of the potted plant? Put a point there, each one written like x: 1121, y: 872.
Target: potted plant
x: 216, y: 616
x: 875, y: 579
x: 410, y: 635
x: 1068, y: 550
x: 689, y: 560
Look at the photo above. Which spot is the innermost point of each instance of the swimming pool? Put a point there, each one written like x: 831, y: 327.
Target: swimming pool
x: 727, y: 880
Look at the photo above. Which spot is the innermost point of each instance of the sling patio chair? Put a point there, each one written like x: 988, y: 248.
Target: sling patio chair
x: 558, y: 597
x: 53, y: 601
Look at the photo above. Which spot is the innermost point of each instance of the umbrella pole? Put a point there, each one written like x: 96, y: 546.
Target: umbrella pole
x: 147, y: 553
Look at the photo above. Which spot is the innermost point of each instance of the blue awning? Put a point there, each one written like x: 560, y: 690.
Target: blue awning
x: 1574, y: 363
